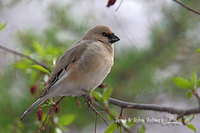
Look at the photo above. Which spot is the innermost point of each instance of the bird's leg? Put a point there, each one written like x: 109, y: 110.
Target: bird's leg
x: 86, y: 96
x: 88, y: 99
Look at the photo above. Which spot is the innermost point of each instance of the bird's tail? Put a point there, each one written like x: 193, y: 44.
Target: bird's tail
x: 33, y: 106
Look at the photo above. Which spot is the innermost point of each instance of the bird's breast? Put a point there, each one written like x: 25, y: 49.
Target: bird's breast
x: 91, y: 70
x: 97, y: 67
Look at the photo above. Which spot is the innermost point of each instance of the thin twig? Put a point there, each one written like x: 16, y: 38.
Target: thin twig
x: 119, y: 5
x: 52, y: 122
x: 59, y: 100
x: 108, y: 112
x: 196, y: 95
x: 96, y: 112
x: 182, y: 119
x: 121, y: 113
x: 50, y: 113
x: 95, y: 126
x: 153, y: 107
x: 42, y: 127
x: 186, y: 7
x: 23, y: 55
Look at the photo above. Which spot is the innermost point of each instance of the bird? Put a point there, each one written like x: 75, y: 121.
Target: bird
x: 82, y: 67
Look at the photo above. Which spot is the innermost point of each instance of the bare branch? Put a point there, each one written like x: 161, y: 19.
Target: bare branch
x: 119, y: 5
x: 153, y: 107
x: 196, y: 95
x: 22, y: 55
x: 96, y: 112
x: 186, y: 7
x: 95, y: 126
x: 108, y: 112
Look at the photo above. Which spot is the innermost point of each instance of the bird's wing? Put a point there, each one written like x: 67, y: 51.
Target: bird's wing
x: 60, y: 71
x: 65, y: 63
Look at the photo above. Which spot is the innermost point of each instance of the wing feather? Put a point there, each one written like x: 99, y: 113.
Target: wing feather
x: 65, y: 62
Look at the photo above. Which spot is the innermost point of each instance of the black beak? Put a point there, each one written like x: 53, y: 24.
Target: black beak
x: 112, y: 38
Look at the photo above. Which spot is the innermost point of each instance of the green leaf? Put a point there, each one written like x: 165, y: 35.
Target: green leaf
x: 198, y: 83
x: 182, y: 83
x: 113, y: 127
x: 113, y: 114
x: 194, y: 75
x: 21, y: 65
x: 198, y: 50
x: 180, y: 120
x: 192, y: 127
x: 52, y: 50
x: 128, y: 123
x: 107, y: 93
x: 142, y: 129
x: 66, y: 120
x: 189, y: 94
x: 40, y: 68
x: 39, y: 49
x: 44, y: 117
x: 194, y: 79
x: 189, y: 118
x: 97, y: 95
x: 2, y: 26
x: 34, y: 76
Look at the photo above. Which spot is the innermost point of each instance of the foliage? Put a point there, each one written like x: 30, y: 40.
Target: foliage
x: 117, y: 121
x: 66, y: 120
x: 2, y: 26
x: 142, y: 129
x: 112, y: 128
x: 191, y: 85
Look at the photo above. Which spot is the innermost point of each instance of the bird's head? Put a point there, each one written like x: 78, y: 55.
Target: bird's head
x: 101, y: 33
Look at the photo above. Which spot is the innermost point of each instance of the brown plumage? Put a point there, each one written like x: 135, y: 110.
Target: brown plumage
x: 82, y: 67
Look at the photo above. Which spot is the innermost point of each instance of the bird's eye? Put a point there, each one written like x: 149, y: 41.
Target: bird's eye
x: 104, y: 34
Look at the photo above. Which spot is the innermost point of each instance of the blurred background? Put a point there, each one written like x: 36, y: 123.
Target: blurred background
x: 158, y: 41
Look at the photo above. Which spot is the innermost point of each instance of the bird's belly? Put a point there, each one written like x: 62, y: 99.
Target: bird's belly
x: 97, y: 78
x: 88, y: 80
x: 101, y: 69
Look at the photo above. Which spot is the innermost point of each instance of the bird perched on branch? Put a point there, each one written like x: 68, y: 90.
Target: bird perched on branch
x: 82, y: 67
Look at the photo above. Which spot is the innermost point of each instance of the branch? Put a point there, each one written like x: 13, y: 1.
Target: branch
x: 50, y: 115
x: 119, y: 5
x: 186, y: 7
x: 196, y: 95
x: 153, y: 107
x: 23, y: 55
x: 108, y: 112
x: 95, y: 103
